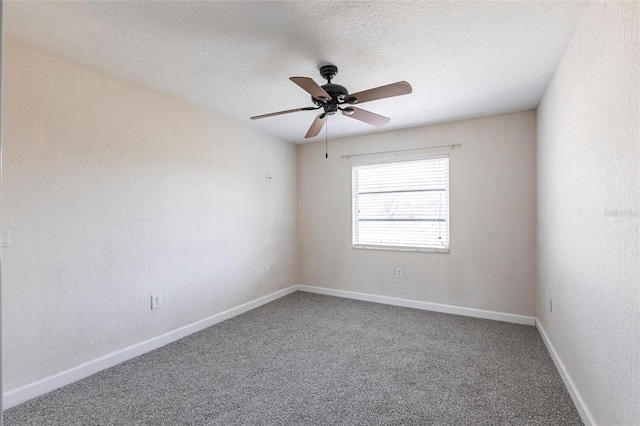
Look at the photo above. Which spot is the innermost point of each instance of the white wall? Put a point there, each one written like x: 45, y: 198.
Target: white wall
x: 492, y: 184
x: 112, y: 192
x: 588, y: 212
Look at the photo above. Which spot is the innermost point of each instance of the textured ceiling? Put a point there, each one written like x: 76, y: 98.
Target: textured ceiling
x: 463, y: 59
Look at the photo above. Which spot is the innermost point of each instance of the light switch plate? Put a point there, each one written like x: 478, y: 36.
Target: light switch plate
x: 6, y: 238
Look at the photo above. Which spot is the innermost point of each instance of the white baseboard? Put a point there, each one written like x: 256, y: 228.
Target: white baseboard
x: 417, y: 304
x: 24, y: 393
x: 582, y: 408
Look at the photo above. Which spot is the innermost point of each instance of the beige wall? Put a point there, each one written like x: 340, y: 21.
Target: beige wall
x: 589, y: 208
x: 113, y: 192
x: 492, y: 183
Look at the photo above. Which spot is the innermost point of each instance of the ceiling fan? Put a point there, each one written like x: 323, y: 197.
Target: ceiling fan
x: 331, y: 98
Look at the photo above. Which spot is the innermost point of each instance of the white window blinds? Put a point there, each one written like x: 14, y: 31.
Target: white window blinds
x: 402, y: 205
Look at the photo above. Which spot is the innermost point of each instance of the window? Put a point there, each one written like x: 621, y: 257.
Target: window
x: 402, y: 205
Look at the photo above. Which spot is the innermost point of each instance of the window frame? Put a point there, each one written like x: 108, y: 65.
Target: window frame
x: 392, y: 247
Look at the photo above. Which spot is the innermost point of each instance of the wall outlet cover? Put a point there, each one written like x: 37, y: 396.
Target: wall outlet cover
x: 156, y: 301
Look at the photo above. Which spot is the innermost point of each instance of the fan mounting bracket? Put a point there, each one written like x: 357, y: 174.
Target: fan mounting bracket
x: 328, y: 72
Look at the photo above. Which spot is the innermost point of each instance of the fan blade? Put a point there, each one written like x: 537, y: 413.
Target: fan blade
x: 367, y: 116
x: 256, y: 117
x: 311, y: 87
x: 316, y: 126
x: 388, y: 91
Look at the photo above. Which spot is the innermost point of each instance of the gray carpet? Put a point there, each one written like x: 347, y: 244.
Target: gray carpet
x: 308, y: 359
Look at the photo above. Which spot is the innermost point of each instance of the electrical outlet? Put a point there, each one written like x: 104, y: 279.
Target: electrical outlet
x: 398, y: 272
x: 156, y: 301
x: 267, y: 271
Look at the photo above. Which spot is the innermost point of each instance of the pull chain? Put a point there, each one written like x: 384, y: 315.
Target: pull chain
x: 326, y: 143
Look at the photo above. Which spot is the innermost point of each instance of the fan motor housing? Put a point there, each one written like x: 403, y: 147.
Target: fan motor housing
x: 336, y: 91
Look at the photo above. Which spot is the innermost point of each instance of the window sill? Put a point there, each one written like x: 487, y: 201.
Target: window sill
x: 398, y: 248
